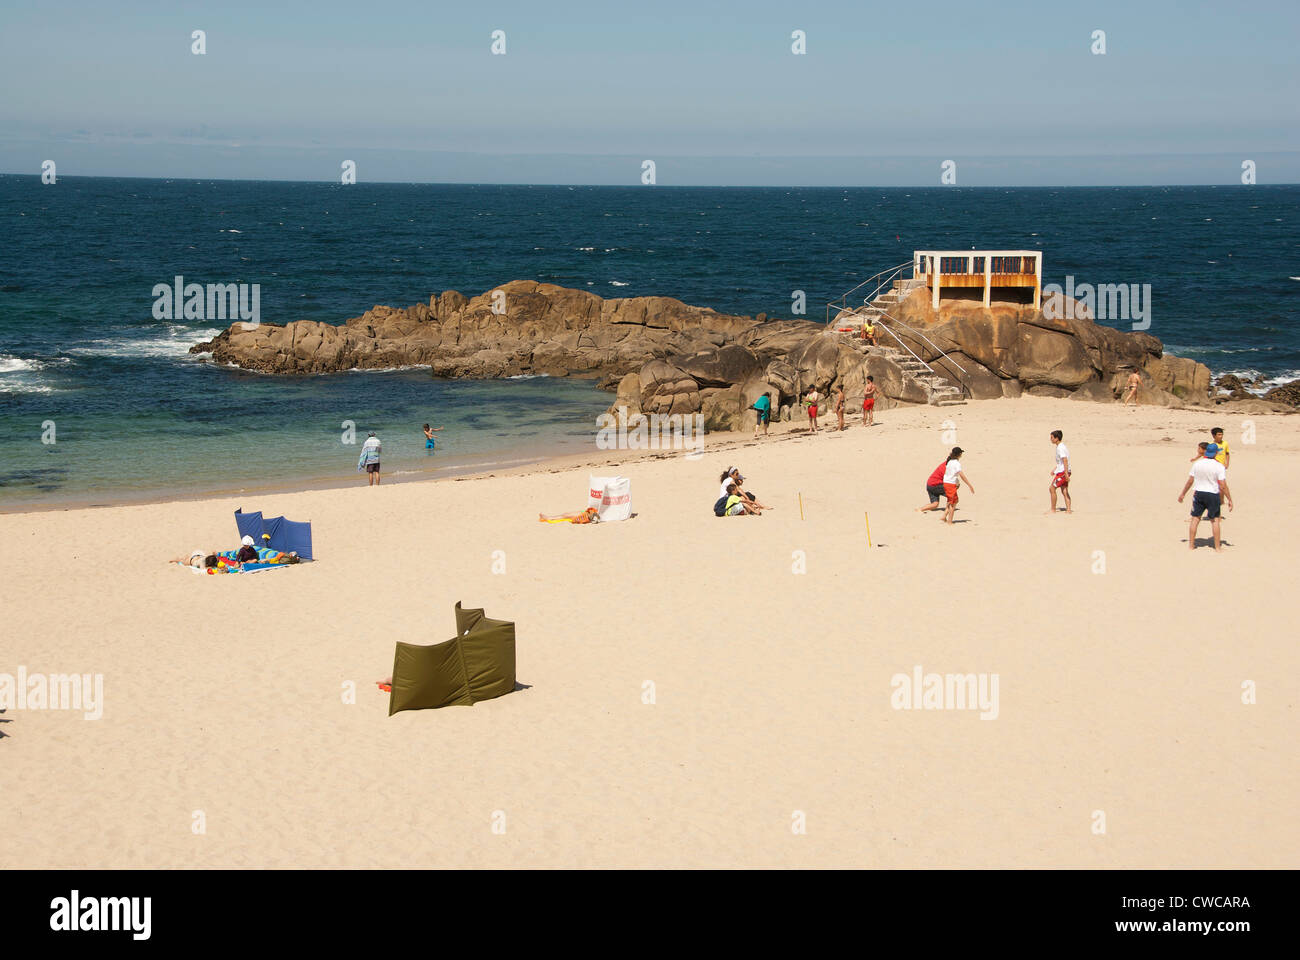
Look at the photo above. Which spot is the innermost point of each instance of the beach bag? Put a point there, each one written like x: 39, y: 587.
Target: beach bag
x: 611, y: 496
x: 720, y: 508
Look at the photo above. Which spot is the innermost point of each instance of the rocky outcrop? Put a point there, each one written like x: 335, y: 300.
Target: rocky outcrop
x: 662, y: 356
x: 1288, y: 393
x: 521, y: 327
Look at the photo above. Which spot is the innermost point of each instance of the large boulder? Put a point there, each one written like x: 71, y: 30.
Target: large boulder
x: 667, y: 389
x: 817, y: 360
x: 720, y: 367
x: 784, y: 377
x: 722, y: 409
x: 982, y: 382
x: 1050, y: 358
x: 1180, y: 376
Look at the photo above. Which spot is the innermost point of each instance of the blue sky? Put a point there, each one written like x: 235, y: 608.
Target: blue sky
x: 710, y: 91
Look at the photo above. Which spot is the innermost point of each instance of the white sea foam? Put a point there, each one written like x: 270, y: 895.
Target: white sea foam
x: 617, y: 283
x: 172, y: 341
x: 528, y: 376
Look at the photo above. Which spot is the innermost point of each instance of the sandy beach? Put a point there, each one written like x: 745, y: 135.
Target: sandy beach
x: 1120, y: 656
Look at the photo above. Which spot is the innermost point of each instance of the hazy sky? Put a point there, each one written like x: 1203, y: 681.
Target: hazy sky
x: 710, y: 91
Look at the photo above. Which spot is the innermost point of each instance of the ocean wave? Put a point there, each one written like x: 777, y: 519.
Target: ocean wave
x: 173, y: 342
x: 528, y: 376
x: 618, y: 283
x: 19, y: 375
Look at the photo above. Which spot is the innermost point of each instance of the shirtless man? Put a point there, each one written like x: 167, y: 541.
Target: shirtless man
x: 869, y: 402
x: 1134, y: 381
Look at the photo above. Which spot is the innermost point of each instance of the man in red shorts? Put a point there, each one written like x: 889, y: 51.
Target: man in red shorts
x: 869, y: 402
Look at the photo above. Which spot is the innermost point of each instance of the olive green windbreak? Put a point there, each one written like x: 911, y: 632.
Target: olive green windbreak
x: 478, y: 664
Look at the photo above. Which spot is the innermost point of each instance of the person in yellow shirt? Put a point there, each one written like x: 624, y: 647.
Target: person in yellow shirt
x: 1223, y: 456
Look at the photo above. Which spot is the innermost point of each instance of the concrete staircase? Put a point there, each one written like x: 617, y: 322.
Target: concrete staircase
x: 939, y: 389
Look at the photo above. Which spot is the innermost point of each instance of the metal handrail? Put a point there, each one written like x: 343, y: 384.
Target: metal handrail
x: 934, y: 346
x: 843, y: 302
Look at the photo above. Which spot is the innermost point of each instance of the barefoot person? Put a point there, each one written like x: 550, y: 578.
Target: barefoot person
x: 1210, y: 482
x: 839, y: 407
x: 934, y: 487
x: 430, y: 441
x: 1060, y: 473
x: 732, y: 476
x: 369, y: 460
x: 1134, y: 381
x: 952, y: 479
x: 763, y: 413
x: 869, y: 402
x: 811, y: 400
x: 738, y: 506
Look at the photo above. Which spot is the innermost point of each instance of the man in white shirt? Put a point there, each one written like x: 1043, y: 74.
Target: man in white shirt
x: 1061, y: 473
x: 1210, y: 481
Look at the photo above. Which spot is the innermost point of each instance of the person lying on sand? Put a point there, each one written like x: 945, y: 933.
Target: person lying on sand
x: 590, y: 515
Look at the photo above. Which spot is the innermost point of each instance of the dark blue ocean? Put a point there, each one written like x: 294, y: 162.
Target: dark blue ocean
x: 134, y: 414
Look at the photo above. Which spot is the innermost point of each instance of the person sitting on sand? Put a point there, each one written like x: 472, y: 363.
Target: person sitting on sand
x: 952, y: 478
x: 246, y: 550
x: 739, y: 506
x: 732, y: 475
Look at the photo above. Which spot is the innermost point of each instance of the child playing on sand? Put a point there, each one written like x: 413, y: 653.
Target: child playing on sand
x: 869, y: 402
x: 1060, y: 473
x: 839, y: 406
x: 934, y: 487
x: 952, y: 477
x: 811, y: 401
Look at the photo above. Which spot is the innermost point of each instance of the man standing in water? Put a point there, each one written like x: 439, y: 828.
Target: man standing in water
x: 369, y: 460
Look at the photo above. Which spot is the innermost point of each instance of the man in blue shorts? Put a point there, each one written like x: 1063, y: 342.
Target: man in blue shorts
x: 1209, y: 481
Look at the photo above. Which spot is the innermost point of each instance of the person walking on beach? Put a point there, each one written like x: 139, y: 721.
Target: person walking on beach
x: 952, y: 478
x: 369, y: 460
x: 839, y: 406
x: 811, y: 400
x: 1134, y: 381
x: 869, y: 402
x: 762, y: 413
x: 1060, y: 473
x: 1210, y: 482
x: 934, y: 487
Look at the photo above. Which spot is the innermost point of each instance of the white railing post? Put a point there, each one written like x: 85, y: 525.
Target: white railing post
x: 988, y: 280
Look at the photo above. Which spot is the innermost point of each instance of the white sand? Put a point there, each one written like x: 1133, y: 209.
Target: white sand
x: 1119, y: 692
